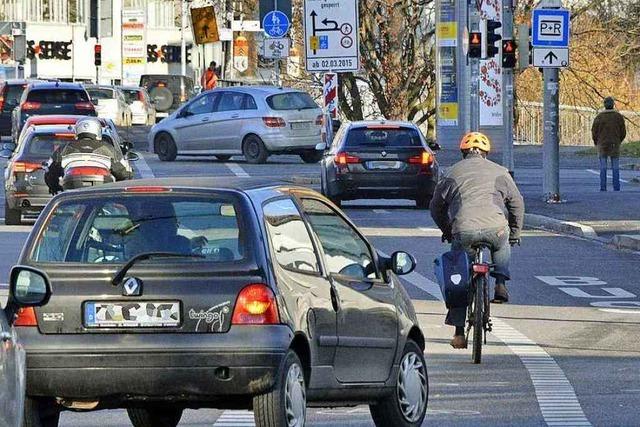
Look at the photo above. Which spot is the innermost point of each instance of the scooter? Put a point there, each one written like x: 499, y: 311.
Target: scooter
x: 85, y: 170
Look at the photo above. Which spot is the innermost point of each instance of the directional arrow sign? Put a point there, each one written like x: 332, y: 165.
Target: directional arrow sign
x: 550, y: 57
x: 331, y: 35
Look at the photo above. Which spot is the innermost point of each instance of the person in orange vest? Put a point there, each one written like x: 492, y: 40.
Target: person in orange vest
x: 209, y: 78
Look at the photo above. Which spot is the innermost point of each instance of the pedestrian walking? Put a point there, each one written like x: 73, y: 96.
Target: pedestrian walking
x: 608, y: 132
x: 209, y: 78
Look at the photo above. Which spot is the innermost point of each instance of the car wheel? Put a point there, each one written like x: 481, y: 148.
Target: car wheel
x: 12, y: 216
x: 311, y: 156
x: 223, y: 158
x: 254, y: 150
x: 166, y: 148
x: 286, y: 404
x: 40, y: 413
x: 407, y: 405
x: 422, y: 202
x: 156, y: 416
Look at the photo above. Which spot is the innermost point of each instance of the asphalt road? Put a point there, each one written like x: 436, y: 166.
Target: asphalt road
x: 565, y: 352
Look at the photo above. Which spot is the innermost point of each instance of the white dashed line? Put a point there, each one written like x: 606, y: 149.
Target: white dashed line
x: 143, y: 168
x: 235, y: 419
x: 557, y: 399
x: 608, y: 176
x: 237, y: 170
x: 380, y: 211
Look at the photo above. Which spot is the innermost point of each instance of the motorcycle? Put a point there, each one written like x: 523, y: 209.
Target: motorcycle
x: 85, y: 170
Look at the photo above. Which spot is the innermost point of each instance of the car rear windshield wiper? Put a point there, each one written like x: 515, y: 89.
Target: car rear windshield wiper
x: 117, y: 279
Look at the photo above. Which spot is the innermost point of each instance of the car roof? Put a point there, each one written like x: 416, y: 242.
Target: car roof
x: 366, y: 123
x: 263, y: 90
x: 100, y: 87
x: 55, y: 85
x: 131, y: 88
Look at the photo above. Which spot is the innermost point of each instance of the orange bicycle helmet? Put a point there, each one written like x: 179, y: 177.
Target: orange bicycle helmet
x: 475, y: 140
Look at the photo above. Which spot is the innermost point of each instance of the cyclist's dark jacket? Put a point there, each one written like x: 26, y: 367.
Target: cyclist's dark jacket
x: 477, y: 194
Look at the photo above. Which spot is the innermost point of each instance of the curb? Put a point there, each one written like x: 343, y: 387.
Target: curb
x: 303, y: 180
x: 560, y: 226
x: 626, y: 241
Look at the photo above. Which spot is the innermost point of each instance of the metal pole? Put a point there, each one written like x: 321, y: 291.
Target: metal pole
x: 183, y: 42
x: 507, y: 33
x: 551, y: 149
x: 474, y: 64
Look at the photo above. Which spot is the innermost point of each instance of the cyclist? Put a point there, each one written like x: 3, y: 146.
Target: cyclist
x: 478, y: 201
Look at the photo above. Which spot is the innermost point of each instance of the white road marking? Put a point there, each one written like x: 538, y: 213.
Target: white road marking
x: 143, y: 168
x: 235, y: 419
x: 380, y: 211
x: 237, y: 170
x: 557, y: 399
x: 608, y: 175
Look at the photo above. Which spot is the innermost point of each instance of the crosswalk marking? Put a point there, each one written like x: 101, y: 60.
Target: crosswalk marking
x: 235, y: 419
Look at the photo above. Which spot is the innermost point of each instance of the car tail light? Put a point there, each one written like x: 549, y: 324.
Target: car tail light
x: 147, y: 189
x: 26, y: 317
x: 30, y: 105
x: 346, y: 158
x: 1, y: 102
x: 425, y: 160
x: 64, y: 135
x: 25, y: 167
x: 256, y: 305
x: 320, y: 120
x: 88, y: 170
x: 481, y: 268
x: 84, y: 106
x: 274, y: 122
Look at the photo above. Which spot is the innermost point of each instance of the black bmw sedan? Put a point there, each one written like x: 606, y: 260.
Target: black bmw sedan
x: 186, y: 293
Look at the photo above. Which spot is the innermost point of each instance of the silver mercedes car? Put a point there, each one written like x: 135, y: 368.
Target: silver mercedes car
x: 253, y: 121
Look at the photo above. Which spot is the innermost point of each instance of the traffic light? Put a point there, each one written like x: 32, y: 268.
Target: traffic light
x: 97, y: 55
x: 509, y: 53
x: 488, y: 29
x: 475, y: 45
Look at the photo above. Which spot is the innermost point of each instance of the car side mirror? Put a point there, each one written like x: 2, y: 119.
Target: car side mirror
x: 6, y: 153
x: 132, y: 156
x: 335, y: 125
x: 28, y: 287
x: 94, y: 101
x: 433, y: 145
x: 402, y: 263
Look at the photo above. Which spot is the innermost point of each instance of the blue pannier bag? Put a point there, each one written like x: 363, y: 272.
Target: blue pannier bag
x: 453, y: 272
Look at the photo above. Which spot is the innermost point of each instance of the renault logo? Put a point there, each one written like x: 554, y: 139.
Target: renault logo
x: 384, y: 154
x: 132, y: 287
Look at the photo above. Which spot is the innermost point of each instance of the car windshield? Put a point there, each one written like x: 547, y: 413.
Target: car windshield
x: 57, y: 96
x: 44, y: 145
x: 101, y: 93
x: 291, y: 101
x: 384, y: 136
x: 115, y: 229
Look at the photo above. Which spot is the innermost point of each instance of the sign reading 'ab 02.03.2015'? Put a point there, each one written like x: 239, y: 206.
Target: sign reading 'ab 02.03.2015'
x: 331, y: 35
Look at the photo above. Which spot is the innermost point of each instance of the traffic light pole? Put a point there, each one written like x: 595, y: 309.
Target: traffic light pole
x: 507, y: 33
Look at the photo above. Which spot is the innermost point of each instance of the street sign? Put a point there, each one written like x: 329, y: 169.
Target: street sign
x: 331, y: 35
x: 550, y: 28
x: 550, y: 57
x: 241, y: 54
x: 204, y: 25
x: 275, y: 24
x: 275, y: 48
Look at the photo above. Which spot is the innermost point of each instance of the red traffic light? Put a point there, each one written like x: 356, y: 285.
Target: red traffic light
x: 97, y: 48
x: 508, y: 46
x: 475, y: 38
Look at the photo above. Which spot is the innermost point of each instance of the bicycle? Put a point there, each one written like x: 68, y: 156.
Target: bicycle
x: 479, y: 308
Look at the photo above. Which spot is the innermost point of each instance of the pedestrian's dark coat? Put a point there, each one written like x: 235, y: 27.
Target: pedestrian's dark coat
x: 608, y: 132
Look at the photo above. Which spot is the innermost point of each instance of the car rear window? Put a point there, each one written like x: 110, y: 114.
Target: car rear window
x: 44, y: 145
x: 14, y: 93
x: 115, y: 229
x: 57, y: 96
x: 131, y: 95
x: 101, y: 93
x: 291, y: 101
x: 384, y: 137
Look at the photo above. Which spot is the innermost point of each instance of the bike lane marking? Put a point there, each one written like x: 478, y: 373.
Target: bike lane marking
x: 143, y: 168
x: 237, y: 170
x: 556, y: 397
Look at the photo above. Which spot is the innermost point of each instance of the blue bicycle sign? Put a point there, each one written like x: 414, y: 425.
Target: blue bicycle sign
x: 275, y: 24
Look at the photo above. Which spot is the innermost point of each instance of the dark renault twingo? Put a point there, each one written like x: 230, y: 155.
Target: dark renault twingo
x: 188, y: 293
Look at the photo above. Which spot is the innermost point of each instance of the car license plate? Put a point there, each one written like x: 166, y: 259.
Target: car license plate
x: 132, y: 314
x: 383, y: 164
x: 300, y: 125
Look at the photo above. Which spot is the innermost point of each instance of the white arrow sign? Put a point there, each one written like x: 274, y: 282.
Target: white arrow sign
x: 550, y: 57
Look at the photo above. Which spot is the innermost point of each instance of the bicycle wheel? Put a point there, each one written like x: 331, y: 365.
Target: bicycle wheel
x: 478, y: 318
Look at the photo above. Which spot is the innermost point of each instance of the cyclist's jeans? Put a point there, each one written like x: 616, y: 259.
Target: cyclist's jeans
x: 497, y: 239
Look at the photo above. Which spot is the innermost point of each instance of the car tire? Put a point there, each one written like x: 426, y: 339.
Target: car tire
x: 422, y: 202
x: 166, y: 148
x: 223, y: 158
x: 287, y: 402
x: 407, y: 405
x: 40, y: 413
x: 156, y: 416
x: 311, y: 156
x: 254, y: 150
x: 12, y: 216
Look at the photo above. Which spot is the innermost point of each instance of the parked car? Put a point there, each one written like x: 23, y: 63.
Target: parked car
x: 45, y: 98
x: 25, y: 191
x: 110, y: 103
x: 10, y: 94
x: 142, y: 106
x: 167, y: 91
x: 196, y: 292
x: 252, y: 121
x: 380, y: 159
x: 26, y: 290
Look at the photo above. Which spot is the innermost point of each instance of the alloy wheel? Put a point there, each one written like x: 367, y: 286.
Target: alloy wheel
x: 412, y: 387
x: 295, y: 397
